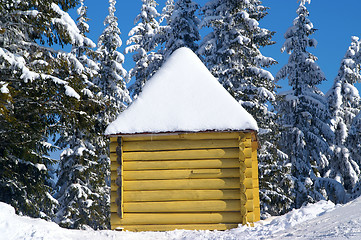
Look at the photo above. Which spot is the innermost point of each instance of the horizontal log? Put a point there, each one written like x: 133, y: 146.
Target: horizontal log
x: 114, y: 165
x: 250, y: 217
x: 209, y: 171
x: 181, y: 164
x: 175, y: 218
x: 187, y: 136
x: 113, y: 174
x: 249, y: 194
x: 197, y: 184
x: 178, y: 145
x: 183, y: 154
x: 113, y: 146
x: 248, y: 183
x: 248, y: 162
x: 113, y: 185
x: 248, y: 172
x: 182, y: 206
x: 170, y: 227
x: 250, y: 206
x: 113, y: 207
x: 113, y: 157
x: 179, y: 174
x: 248, y: 153
x: 113, y: 196
x: 174, y: 195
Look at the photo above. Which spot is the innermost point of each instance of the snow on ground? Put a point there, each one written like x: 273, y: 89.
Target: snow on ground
x: 322, y: 220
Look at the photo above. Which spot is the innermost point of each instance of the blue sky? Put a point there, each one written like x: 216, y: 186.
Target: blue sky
x: 335, y: 20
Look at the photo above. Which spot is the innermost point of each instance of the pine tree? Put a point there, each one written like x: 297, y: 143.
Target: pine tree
x: 274, y: 174
x: 167, y: 11
x: 182, y: 28
x: 111, y: 79
x: 354, y: 144
x: 231, y: 50
x: 353, y: 107
x: 144, y: 38
x: 232, y: 53
x: 35, y: 97
x: 344, y: 104
x: 304, y: 114
x: 114, y: 97
x: 161, y: 37
x: 80, y: 180
x: 84, y: 52
x: 82, y: 190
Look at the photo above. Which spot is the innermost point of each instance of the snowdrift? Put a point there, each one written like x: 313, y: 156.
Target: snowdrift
x: 322, y: 220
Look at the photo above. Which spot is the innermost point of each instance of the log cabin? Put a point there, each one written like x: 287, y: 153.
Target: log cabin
x: 183, y: 154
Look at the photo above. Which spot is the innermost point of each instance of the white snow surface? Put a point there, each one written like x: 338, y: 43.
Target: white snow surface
x: 182, y: 96
x: 4, y: 88
x: 322, y: 220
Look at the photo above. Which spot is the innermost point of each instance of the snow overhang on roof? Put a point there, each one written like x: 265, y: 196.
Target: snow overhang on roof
x: 183, y: 96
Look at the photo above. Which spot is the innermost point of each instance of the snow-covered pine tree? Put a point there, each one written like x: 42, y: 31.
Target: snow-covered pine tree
x: 304, y: 115
x: 354, y: 146
x: 82, y: 191
x: 113, y: 92
x: 36, y: 96
x: 84, y: 53
x: 112, y: 75
x: 164, y: 21
x: 182, y: 28
x: 81, y: 182
x: 144, y: 38
x: 353, y: 141
x: 344, y: 104
x: 167, y: 11
x: 231, y: 51
x: 275, y: 178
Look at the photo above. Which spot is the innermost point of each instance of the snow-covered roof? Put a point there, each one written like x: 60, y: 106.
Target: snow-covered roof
x: 183, y: 96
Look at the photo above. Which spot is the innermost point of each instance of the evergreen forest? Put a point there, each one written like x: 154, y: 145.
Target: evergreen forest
x: 59, y: 90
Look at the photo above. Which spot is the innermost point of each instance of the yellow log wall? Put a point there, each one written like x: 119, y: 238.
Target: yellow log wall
x: 184, y: 181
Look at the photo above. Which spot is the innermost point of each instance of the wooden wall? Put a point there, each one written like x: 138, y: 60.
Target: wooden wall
x: 184, y: 181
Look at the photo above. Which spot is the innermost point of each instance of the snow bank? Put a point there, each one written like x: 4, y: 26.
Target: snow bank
x: 322, y: 220
x: 182, y: 96
x: 14, y: 227
x: 344, y: 222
